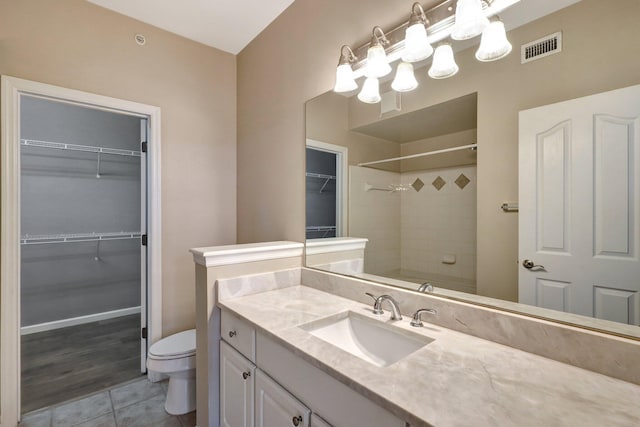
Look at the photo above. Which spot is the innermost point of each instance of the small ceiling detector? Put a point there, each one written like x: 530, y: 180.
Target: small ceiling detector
x: 140, y: 39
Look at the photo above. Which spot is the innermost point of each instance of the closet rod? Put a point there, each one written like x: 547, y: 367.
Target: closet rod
x: 428, y: 153
x: 76, y: 147
x: 77, y: 237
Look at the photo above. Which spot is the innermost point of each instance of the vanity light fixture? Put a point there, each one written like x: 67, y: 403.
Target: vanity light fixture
x: 493, y: 44
x: 444, y: 64
x: 470, y: 20
x: 412, y: 42
x: 344, y: 73
x: 377, y: 64
x: 416, y: 43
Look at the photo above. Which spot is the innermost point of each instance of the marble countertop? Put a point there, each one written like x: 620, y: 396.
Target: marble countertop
x: 456, y: 380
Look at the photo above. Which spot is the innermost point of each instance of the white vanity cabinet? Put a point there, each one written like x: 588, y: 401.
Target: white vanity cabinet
x: 277, y: 407
x: 316, y: 421
x: 263, y: 384
x: 237, y: 385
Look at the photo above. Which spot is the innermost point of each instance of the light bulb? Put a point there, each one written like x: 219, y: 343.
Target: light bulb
x: 370, y: 92
x: 444, y: 64
x: 377, y: 64
x: 470, y: 20
x: 416, y: 43
x: 493, y: 44
x: 344, y: 79
x: 405, y: 80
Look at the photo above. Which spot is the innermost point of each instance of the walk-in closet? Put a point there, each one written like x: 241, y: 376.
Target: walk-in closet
x: 321, y: 203
x: 83, y: 259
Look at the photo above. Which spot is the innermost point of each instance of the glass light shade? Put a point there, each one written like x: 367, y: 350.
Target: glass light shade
x: 405, y: 80
x: 377, y: 64
x: 416, y: 44
x: 493, y: 44
x: 444, y: 65
x: 344, y: 79
x: 370, y: 92
x: 470, y: 20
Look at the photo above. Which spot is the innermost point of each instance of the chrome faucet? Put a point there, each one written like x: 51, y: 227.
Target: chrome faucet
x: 377, y: 305
x: 426, y: 287
x: 417, y: 321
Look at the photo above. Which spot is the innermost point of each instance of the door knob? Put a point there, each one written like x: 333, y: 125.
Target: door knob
x: 296, y: 420
x: 246, y: 375
x: 528, y: 264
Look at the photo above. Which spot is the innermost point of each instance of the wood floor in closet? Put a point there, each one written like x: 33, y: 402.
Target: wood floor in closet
x: 67, y: 363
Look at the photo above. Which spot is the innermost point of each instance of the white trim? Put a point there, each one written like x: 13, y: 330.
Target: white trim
x: 335, y: 244
x: 80, y: 320
x: 428, y: 153
x: 12, y: 89
x: 342, y: 172
x: 251, y: 252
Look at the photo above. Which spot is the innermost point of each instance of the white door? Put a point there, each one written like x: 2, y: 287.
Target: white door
x: 579, y: 191
x: 275, y: 407
x: 316, y: 421
x: 237, y: 376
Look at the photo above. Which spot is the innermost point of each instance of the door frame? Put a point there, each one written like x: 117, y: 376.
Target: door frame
x: 342, y: 170
x: 11, y: 90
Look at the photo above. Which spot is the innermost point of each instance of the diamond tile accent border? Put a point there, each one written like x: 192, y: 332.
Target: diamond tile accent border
x: 438, y: 183
x: 417, y: 184
x: 462, y: 181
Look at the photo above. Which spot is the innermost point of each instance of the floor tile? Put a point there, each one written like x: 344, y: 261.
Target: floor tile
x: 188, y: 420
x: 149, y: 412
x: 106, y: 420
x: 167, y: 422
x: 135, y: 392
x: 82, y: 410
x: 37, y: 419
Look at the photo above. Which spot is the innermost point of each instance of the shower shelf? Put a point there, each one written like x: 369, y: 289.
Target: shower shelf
x: 77, y: 237
x: 76, y: 147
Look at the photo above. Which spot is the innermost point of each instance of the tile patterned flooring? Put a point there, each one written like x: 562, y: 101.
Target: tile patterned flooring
x: 135, y: 404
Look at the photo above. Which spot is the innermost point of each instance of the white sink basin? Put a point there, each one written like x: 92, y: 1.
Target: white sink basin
x: 369, y: 339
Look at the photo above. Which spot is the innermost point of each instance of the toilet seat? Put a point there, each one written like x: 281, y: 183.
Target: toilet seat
x: 182, y: 344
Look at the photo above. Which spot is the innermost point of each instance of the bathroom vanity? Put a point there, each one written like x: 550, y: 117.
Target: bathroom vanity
x: 274, y: 364
x: 275, y: 348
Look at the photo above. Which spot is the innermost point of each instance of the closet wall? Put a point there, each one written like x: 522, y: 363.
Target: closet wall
x: 66, y: 192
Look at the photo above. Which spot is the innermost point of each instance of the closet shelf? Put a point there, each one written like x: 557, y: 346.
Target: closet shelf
x: 321, y: 228
x: 320, y: 175
x: 327, y: 178
x: 28, y: 239
x: 76, y: 147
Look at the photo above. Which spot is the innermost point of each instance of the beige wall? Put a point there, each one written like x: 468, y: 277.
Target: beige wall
x: 327, y: 120
x: 294, y: 60
x: 75, y: 44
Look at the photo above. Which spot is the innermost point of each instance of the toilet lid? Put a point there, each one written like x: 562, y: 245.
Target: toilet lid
x: 181, y: 343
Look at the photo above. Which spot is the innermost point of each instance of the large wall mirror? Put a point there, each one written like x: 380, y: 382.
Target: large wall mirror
x: 421, y: 191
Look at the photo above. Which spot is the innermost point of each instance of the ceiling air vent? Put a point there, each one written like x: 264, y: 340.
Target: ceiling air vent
x: 548, y: 45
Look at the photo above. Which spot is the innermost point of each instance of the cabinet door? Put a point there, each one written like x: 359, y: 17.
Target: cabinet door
x: 237, y: 385
x: 275, y: 407
x: 316, y: 421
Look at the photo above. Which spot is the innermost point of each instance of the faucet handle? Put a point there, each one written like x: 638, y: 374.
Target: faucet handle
x: 376, y: 303
x: 417, y: 321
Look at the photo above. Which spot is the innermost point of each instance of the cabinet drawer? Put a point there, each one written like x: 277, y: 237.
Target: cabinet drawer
x: 239, y: 334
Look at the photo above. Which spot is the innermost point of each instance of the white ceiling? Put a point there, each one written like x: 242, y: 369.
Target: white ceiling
x: 228, y: 25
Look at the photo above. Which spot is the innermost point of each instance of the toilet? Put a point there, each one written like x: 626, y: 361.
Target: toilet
x: 175, y: 356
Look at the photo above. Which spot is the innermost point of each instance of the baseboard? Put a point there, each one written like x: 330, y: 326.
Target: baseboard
x: 64, y: 323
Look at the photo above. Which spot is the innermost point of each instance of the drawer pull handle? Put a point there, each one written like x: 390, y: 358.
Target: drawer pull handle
x: 246, y: 375
x: 232, y: 334
x: 296, y: 420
